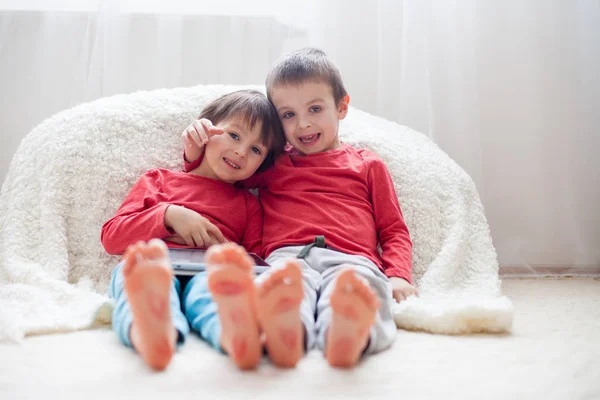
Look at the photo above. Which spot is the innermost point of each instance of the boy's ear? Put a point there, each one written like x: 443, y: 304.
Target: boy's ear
x: 343, y: 107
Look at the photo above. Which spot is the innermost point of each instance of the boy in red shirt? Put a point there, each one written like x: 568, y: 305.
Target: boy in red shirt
x: 196, y: 209
x: 329, y: 206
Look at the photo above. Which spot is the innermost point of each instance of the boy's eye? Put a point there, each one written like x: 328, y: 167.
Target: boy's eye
x: 256, y: 150
x: 288, y: 115
x: 315, y: 109
x: 234, y: 136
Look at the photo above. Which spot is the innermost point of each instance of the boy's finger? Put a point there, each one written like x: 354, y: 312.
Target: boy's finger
x: 216, y: 232
x: 198, y: 125
x: 216, y: 131
x: 206, y: 124
x: 205, y: 237
x: 186, y: 136
x: 196, y: 137
x: 203, y: 137
x: 206, y: 127
x: 209, y: 128
x: 188, y: 240
x: 198, y: 239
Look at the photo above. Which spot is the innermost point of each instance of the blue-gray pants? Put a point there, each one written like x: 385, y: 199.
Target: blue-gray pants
x: 320, y: 268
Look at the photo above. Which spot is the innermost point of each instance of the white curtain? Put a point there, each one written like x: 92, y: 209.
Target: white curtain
x: 510, y: 89
x: 56, y: 54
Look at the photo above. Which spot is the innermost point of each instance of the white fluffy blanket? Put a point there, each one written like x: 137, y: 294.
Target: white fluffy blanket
x: 71, y: 173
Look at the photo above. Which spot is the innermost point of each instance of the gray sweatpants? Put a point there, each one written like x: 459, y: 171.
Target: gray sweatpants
x: 320, y: 269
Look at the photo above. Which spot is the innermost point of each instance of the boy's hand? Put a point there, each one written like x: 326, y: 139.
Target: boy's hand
x: 196, y: 135
x: 401, y: 289
x: 175, y: 239
x: 192, y: 228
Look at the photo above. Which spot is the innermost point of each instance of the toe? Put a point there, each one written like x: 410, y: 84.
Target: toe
x: 156, y: 250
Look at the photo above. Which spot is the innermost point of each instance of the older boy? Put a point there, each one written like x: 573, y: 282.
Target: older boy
x: 329, y: 205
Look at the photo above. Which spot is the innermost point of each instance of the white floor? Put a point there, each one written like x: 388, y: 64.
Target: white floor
x: 553, y: 353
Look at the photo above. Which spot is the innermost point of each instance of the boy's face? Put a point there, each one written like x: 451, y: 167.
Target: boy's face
x: 234, y: 155
x: 309, y: 115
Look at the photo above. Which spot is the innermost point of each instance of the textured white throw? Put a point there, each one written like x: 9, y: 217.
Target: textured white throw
x: 71, y: 173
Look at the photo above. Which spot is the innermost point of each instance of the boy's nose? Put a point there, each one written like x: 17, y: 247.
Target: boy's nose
x: 304, y: 123
x: 241, y: 152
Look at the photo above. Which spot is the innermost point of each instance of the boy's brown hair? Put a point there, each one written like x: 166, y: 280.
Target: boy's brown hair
x: 308, y: 64
x: 252, y: 107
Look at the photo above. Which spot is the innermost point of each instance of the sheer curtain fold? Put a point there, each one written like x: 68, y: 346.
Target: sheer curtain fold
x: 510, y: 89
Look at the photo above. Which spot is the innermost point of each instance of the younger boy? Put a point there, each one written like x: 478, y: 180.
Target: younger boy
x: 330, y: 205
x: 196, y: 209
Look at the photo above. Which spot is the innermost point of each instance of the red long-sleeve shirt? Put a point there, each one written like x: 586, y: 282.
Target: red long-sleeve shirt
x: 235, y: 211
x: 345, y: 194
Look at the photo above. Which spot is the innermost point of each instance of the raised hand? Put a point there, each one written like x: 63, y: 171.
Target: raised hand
x: 196, y: 136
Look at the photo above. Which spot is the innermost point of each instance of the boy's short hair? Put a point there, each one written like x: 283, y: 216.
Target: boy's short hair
x: 308, y: 64
x: 252, y: 107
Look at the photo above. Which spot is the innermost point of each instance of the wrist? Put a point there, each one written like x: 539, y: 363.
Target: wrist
x: 399, y: 283
x: 168, y: 217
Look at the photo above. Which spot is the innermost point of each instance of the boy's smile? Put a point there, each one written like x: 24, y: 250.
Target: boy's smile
x: 231, y: 163
x: 309, y: 115
x: 309, y: 140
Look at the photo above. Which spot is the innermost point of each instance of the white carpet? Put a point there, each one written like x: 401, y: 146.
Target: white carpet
x: 553, y: 353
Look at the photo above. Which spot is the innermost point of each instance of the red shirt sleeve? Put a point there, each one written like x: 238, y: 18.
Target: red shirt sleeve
x: 188, y: 166
x: 140, y: 217
x: 252, y: 238
x: 392, y: 231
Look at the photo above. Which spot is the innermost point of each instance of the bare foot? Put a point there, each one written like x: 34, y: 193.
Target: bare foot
x: 354, y: 307
x: 148, y: 276
x: 231, y: 282
x: 279, y: 312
